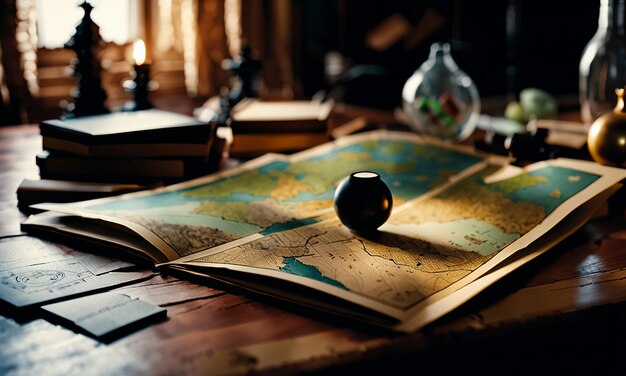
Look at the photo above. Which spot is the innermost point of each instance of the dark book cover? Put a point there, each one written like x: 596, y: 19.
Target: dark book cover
x: 32, y: 192
x: 54, y: 164
x: 148, y: 126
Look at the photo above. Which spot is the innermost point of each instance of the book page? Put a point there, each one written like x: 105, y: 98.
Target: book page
x: 274, y: 193
x: 258, y: 111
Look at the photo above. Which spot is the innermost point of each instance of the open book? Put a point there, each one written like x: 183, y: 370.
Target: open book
x: 461, y: 221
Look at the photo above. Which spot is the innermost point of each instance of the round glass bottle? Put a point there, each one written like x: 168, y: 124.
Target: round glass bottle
x: 440, y: 99
x: 603, y: 63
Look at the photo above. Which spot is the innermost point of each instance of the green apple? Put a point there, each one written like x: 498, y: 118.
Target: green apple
x: 515, y: 112
x: 537, y: 104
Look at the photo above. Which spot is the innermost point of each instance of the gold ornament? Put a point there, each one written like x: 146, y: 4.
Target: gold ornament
x: 607, y: 136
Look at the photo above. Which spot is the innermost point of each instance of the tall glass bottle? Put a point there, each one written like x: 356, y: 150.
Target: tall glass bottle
x: 603, y: 63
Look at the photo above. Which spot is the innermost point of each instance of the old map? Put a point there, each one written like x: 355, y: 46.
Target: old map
x: 426, y: 246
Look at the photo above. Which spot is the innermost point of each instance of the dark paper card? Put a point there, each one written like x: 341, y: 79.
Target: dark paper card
x: 108, y: 315
x: 34, y: 272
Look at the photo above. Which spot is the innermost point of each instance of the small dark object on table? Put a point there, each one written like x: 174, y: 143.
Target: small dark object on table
x: 89, y: 97
x: 245, y: 68
x: 363, y: 201
x: 139, y: 86
x: 107, y: 316
x: 527, y: 147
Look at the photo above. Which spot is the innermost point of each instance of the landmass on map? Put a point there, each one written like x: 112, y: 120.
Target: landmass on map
x: 391, y: 268
x: 189, y: 239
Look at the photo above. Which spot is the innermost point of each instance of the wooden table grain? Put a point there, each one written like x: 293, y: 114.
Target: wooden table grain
x: 565, y: 312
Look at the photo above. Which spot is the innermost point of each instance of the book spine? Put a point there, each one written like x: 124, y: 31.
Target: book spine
x: 254, y: 144
x: 144, y: 150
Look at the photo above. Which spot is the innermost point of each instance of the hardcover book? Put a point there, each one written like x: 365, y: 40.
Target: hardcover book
x: 461, y: 221
x: 67, y: 165
x: 128, y: 150
x: 143, y: 134
x: 250, y: 145
x: 31, y: 192
x: 277, y: 127
x: 148, y: 126
x: 253, y: 116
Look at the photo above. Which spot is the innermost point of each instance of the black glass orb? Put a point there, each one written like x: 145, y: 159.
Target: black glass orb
x: 363, y: 201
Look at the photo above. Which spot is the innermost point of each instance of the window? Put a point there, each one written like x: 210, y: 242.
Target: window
x: 57, y: 19
x: 186, y: 42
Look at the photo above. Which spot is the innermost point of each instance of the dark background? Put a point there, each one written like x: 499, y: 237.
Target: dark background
x: 542, y: 48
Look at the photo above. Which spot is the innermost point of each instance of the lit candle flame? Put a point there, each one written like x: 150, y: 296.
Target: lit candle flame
x: 139, y: 52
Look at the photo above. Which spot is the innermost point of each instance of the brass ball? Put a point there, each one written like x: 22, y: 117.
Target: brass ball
x: 607, y: 140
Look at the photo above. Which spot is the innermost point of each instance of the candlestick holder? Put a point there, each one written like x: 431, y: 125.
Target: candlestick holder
x: 139, y: 86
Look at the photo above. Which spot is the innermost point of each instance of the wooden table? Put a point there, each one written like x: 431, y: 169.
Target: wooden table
x: 565, y: 312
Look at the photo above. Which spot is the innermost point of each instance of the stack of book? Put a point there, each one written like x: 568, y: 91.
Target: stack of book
x: 141, y: 146
x: 278, y: 127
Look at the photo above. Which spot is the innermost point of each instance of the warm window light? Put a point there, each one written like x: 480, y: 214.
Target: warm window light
x: 139, y: 52
x: 57, y: 20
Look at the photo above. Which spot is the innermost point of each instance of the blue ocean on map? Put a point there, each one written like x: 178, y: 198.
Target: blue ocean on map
x: 469, y: 234
x: 568, y: 182
x: 279, y: 227
x: 295, y: 267
x: 273, y: 166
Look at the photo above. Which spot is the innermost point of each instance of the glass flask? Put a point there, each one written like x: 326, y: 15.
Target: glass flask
x: 603, y: 63
x: 439, y: 99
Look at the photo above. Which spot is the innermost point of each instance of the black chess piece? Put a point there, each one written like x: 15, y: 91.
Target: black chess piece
x: 89, y: 96
x: 245, y: 69
x: 226, y: 106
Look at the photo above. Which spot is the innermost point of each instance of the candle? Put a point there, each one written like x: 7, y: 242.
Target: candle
x: 139, y: 52
x: 141, y: 78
